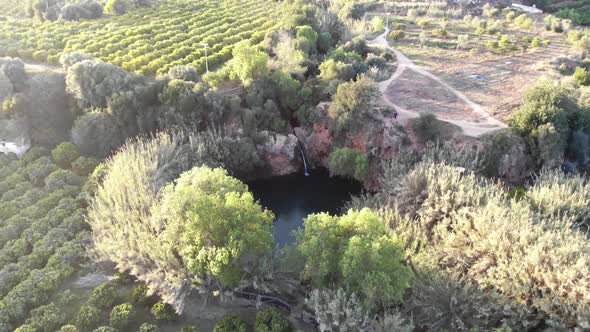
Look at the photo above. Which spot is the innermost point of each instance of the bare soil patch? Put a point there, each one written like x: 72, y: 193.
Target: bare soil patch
x: 414, y: 92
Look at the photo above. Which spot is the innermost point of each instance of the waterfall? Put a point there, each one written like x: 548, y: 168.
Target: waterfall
x: 303, y: 157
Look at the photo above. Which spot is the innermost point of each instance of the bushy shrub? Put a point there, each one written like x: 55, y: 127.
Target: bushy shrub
x: 64, y: 154
x: 271, y: 320
x: 103, y: 296
x: 163, y: 312
x: 68, y: 328
x: 348, y: 163
x: 122, y: 315
x: 185, y: 73
x: 582, y: 76
x: 88, y: 317
x: 397, y: 34
x: 378, y: 23
x: 230, y: 323
x: 189, y: 328
x: 427, y: 127
x: 336, y: 308
x: 469, y: 227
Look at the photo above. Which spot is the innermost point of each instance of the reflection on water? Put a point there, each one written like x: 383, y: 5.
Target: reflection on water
x: 293, y: 197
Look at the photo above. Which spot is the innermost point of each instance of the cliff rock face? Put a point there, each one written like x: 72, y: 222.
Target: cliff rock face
x: 280, y: 152
x: 376, y: 136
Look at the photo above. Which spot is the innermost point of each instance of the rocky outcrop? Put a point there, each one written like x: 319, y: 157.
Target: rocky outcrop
x: 377, y: 136
x: 280, y: 152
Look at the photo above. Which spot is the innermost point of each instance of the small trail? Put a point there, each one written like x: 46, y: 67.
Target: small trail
x: 469, y: 128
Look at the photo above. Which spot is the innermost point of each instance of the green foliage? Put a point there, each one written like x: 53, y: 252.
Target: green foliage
x: 47, y: 318
x: 582, y: 76
x: 348, y: 163
x: 271, y: 320
x: 64, y: 154
x: 88, y: 317
x: 397, y: 34
x: 334, y: 309
x: 163, y: 312
x: 469, y: 227
x: 84, y: 166
x: 68, y: 328
x: 378, y: 23
x: 352, y: 102
x: 103, y: 296
x: 189, y: 328
x: 144, y: 167
x: 122, y: 316
x: 577, y: 16
x: 248, y: 63
x: 427, y: 127
x: 218, y: 227
x: 139, y: 295
x: 230, y: 323
x: 116, y: 7
x: 355, y: 252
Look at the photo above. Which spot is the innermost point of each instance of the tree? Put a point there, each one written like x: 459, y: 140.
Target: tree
x: 271, y: 320
x: 185, y: 73
x: 103, y: 296
x: 65, y: 154
x: 230, y: 323
x: 116, y: 7
x: 218, y: 227
x: 97, y: 133
x: 163, y: 311
x: 88, y: 317
x: 145, y: 327
x: 248, y: 63
x: 356, y: 253
x: 122, y: 315
x: 349, y: 163
x: 353, y: 100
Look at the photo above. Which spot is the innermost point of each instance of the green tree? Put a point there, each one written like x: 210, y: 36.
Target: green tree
x: 163, y: 311
x: 116, y: 7
x: 248, y: 63
x: 271, y: 320
x: 230, y: 323
x: 122, y: 315
x: 356, y: 253
x: 88, y: 317
x: 218, y: 227
x: 64, y: 154
x: 349, y: 163
x: 103, y: 296
x: 353, y: 100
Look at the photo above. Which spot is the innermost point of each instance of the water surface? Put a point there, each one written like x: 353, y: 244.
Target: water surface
x: 293, y: 197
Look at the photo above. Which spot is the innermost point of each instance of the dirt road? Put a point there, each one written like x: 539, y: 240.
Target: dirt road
x: 469, y: 128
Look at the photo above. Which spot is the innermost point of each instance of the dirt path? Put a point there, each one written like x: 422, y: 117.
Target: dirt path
x: 469, y: 128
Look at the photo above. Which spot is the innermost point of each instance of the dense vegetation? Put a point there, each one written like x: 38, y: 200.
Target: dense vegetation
x: 148, y: 172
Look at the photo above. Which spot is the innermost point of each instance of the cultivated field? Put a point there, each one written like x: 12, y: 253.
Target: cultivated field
x: 147, y: 40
